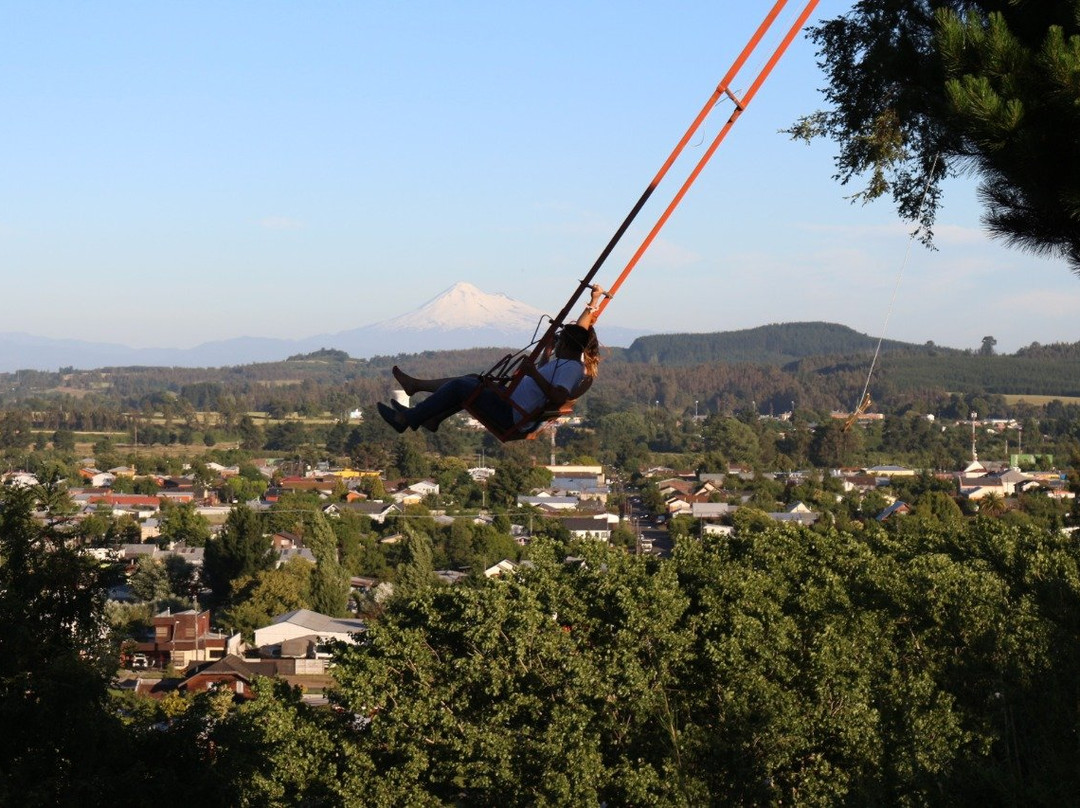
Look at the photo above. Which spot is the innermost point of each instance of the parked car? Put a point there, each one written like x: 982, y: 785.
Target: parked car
x: 139, y: 662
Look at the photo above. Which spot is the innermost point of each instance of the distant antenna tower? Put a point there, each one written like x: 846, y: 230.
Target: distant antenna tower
x: 974, y: 454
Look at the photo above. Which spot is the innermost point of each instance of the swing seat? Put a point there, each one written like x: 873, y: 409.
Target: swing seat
x: 529, y: 425
x: 536, y: 420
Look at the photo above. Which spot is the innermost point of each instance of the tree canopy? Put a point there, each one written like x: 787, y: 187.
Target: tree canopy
x: 919, y: 90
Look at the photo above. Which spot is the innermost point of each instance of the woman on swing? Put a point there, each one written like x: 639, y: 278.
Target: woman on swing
x: 565, y: 375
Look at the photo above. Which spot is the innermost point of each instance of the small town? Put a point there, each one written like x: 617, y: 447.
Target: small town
x: 484, y: 405
x: 227, y: 580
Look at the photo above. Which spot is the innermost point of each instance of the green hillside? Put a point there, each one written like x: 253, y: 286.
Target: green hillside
x: 768, y: 344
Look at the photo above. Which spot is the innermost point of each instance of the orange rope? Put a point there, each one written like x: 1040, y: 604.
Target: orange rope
x: 740, y: 105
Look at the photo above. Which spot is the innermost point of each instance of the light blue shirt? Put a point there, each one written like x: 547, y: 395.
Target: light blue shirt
x: 564, y: 373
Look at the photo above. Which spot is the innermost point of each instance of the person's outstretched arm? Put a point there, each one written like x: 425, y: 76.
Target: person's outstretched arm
x: 588, y: 316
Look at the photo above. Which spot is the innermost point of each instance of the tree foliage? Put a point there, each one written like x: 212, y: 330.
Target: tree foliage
x: 150, y: 579
x: 921, y: 90
x: 242, y: 549
x: 60, y: 744
x: 268, y: 593
x: 329, y: 580
x: 782, y: 667
x: 183, y: 523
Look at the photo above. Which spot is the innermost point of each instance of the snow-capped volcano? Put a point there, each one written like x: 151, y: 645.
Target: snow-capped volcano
x: 465, y: 307
x: 461, y: 317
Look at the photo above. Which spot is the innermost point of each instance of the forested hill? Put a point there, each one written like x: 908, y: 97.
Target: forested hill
x: 767, y: 344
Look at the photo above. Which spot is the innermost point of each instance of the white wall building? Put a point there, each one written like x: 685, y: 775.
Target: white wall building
x: 306, y: 623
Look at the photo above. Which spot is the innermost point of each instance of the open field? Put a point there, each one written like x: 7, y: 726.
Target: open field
x: 1039, y: 401
x: 84, y: 449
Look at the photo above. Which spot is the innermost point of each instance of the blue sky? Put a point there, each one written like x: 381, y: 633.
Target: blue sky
x: 175, y: 173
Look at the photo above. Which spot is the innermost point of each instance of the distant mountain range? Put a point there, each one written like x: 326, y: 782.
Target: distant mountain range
x: 461, y: 317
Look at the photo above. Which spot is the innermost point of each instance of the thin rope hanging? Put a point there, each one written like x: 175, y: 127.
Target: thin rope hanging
x: 864, y: 399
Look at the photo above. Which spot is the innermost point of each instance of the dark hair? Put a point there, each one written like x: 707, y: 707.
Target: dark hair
x: 576, y: 336
x: 586, y: 341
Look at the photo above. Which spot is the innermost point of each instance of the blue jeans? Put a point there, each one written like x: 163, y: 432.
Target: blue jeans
x: 451, y: 397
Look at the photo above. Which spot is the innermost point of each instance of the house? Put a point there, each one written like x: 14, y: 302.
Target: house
x: 741, y: 471
x: 587, y: 528
x: 451, y: 576
x: 20, y: 479
x: 223, y: 471
x: 415, y: 493
x: 306, y: 623
x: 678, y: 504
x: 898, y: 508
x: 174, y: 485
x: 192, y: 555
x: 504, y: 567
x: 177, y: 496
x: 425, y: 488
x: 890, y: 471
x: 324, y: 486
x: 795, y: 517
x: 143, y: 506
x: 594, y: 472
x: 584, y: 488
x: 862, y: 482
x: 287, y: 554
x: 149, y: 529
x: 657, y: 471
x: 549, y: 502
x: 363, y: 583
x: 96, y: 479
x: 978, y: 487
x: 1011, y: 480
x: 673, y: 485
x: 286, y: 540
x: 706, y: 488
x: 375, y: 509
x: 131, y: 552
x: 181, y: 638
x: 231, y: 673
x: 712, y: 510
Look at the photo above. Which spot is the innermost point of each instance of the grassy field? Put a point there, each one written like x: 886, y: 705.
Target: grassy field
x: 1039, y: 401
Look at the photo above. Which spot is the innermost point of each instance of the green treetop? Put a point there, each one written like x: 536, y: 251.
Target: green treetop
x: 919, y: 91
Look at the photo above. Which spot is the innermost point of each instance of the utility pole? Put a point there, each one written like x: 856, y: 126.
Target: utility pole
x: 974, y: 451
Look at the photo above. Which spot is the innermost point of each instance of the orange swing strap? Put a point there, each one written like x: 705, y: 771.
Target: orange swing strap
x: 506, y: 374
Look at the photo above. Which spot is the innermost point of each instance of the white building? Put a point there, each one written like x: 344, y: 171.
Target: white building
x: 306, y: 623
